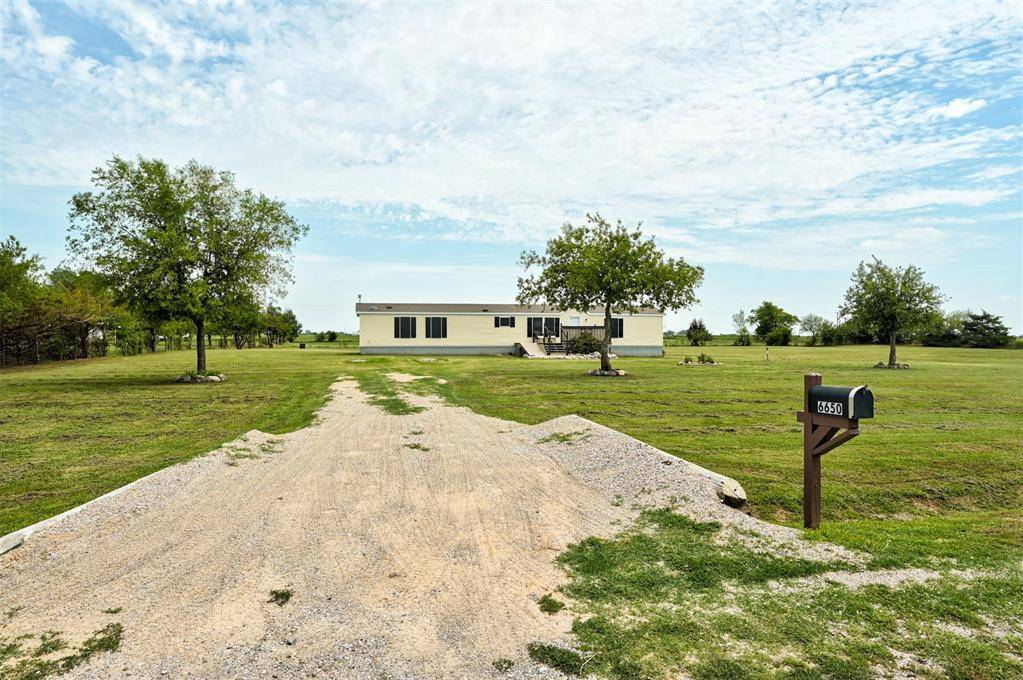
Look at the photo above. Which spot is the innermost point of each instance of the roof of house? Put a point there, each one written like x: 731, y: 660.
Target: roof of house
x: 468, y: 308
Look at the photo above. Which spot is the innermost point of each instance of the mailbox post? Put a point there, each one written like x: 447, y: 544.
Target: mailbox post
x: 830, y: 418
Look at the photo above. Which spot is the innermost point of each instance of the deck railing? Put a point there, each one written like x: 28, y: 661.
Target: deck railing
x: 572, y: 332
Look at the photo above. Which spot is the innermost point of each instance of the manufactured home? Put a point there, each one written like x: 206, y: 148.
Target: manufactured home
x: 427, y: 328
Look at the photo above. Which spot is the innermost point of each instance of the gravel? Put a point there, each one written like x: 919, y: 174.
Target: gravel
x: 404, y: 563
x: 629, y: 471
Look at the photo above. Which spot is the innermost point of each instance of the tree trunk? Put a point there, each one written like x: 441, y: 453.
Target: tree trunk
x: 891, y: 350
x: 85, y: 342
x: 200, y: 345
x: 152, y: 339
x: 238, y: 344
x: 605, y: 346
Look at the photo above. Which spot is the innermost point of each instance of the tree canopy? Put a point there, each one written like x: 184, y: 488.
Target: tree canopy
x: 888, y: 300
x: 609, y: 266
x: 182, y: 243
x: 770, y: 318
x: 697, y: 333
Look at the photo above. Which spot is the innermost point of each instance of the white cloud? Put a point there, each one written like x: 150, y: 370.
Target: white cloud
x: 499, y: 122
x: 957, y: 108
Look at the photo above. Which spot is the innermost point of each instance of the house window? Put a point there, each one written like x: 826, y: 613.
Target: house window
x: 436, y: 326
x: 404, y: 326
x: 617, y: 328
x: 507, y: 321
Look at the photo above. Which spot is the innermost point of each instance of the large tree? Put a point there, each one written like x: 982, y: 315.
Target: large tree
x: 607, y: 266
x: 180, y: 243
x: 888, y: 300
x: 769, y: 318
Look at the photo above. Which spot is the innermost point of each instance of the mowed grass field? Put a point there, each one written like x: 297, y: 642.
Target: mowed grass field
x: 934, y: 481
x: 943, y: 454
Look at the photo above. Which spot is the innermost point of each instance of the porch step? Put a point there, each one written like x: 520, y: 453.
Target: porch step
x: 554, y: 347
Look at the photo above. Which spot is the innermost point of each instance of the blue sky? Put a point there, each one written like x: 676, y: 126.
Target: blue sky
x: 427, y: 145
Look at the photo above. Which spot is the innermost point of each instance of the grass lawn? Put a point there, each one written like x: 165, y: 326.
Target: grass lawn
x: 933, y: 481
x: 72, y: 431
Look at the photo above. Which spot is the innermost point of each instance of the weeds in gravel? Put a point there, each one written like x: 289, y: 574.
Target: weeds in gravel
x: 503, y: 665
x: 12, y: 612
x: 414, y: 433
x: 417, y: 446
x: 566, y: 437
x: 280, y: 597
x: 271, y: 446
x: 234, y: 456
x: 383, y: 392
x: 30, y: 664
x: 549, y: 605
x: 558, y: 658
x: 113, y: 610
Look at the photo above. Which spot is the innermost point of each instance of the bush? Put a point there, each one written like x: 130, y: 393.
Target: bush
x: 705, y: 359
x: 781, y: 335
x: 584, y: 343
x: 743, y: 339
x: 698, y: 333
x: 331, y: 336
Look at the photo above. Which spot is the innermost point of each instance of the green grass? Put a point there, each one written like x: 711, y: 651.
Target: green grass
x: 21, y: 661
x: 666, y: 597
x: 73, y: 431
x: 934, y: 480
x: 281, y: 597
x: 942, y: 454
x: 550, y: 605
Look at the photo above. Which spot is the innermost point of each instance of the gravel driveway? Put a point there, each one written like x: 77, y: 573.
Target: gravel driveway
x: 415, y: 546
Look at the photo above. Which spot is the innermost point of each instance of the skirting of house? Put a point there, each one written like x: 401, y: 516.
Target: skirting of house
x: 620, y: 350
x: 439, y: 349
x: 637, y: 350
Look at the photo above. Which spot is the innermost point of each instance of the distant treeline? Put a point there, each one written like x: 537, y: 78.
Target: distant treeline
x: 69, y: 314
x: 772, y: 325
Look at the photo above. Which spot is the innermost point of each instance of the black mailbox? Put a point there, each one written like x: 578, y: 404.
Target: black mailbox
x: 843, y: 402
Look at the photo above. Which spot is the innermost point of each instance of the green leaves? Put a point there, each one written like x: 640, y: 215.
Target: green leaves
x: 887, y: 300
x: 601, y: 264
x: 184, y: 242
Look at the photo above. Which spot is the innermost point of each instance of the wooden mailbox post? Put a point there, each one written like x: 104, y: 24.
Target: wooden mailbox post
x: 830, y: 418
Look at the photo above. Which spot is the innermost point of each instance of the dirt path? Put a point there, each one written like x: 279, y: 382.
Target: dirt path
x: 405, y: 562
x: 416, y: 546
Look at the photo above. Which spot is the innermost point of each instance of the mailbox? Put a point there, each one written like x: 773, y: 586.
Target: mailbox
x: 842, y: 402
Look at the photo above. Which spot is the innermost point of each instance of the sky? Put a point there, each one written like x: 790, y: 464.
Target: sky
x: 427, y: 145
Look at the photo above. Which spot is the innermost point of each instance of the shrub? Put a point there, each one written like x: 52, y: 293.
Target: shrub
x: 782, y: 335
x: 705, y: 359
x: 698, y: 333
x: 584, y: 343
x: 743, y: 339
x: 331, y: 336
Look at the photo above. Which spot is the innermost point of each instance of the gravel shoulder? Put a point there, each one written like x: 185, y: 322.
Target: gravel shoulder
x: 416, y: 546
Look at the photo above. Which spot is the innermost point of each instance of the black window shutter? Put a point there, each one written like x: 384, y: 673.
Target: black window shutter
x: 429, y: 327
x: 444, y: 327
x: 412, y: 333
x: 497, y: 321
x: 397, y: 326
x: 512, y: 322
